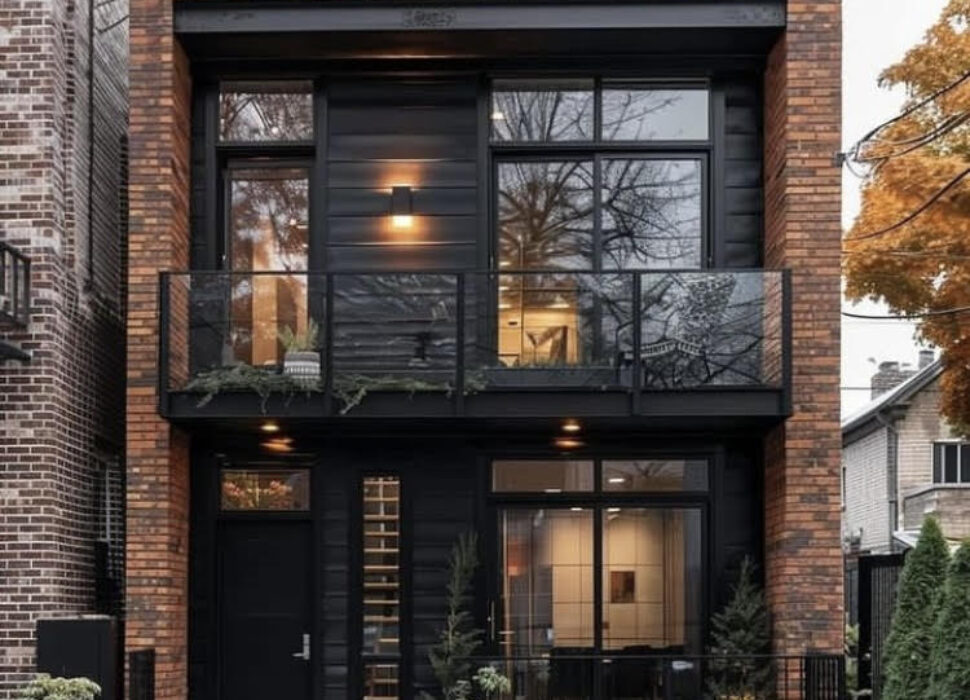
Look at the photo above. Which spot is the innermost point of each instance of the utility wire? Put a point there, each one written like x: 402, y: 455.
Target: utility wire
x: 907, y: 112
x: 909, y: 317
x: 913, y: 215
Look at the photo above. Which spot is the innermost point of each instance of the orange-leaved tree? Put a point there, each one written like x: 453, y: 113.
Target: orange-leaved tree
x: 910, y: 245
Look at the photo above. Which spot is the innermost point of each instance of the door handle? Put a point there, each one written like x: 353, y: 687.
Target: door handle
x: 304, y: 653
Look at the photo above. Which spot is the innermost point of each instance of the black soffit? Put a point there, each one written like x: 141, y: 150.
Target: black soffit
x: 335, y: 31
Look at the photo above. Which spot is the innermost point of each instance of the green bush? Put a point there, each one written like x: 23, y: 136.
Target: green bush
x: 907, y: 657
x: 950, y: 673
x: 742, y: 629
x: 43, y: 687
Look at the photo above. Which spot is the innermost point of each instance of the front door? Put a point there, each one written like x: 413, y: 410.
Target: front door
x: 265, y: 610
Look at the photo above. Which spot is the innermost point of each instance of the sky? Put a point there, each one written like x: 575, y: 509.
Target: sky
x: 876, y: 34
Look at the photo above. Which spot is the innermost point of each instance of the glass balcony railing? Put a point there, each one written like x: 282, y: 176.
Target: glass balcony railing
x: 345, y: 335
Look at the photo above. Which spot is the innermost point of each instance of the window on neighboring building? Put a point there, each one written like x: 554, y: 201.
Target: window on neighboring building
x: 951, y: 463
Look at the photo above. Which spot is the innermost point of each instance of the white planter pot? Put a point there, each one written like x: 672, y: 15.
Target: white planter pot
x: 304, y: 367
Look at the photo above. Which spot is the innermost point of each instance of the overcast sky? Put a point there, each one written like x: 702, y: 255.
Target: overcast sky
x: 877, y: 33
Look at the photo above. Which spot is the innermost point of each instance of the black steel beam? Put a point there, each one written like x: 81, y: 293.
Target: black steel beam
x: 207, y: 18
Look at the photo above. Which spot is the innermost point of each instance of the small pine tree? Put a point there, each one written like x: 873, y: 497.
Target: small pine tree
x: 451, y: 657
x: 950, y: 669
x: 742, y: 629
x: 908, y: 646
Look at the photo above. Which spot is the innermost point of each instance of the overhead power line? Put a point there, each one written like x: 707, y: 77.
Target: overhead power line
x: 915, y: 214
x: 909, y: 317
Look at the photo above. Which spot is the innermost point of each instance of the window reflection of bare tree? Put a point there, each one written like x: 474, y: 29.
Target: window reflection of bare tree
x: 268, y: 218
x: 699, y: 329
x: 278, y: 111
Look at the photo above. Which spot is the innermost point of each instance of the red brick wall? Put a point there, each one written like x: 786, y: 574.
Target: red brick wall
x: 803, y: 232
x: 60, y: 412
x: 158, y: 464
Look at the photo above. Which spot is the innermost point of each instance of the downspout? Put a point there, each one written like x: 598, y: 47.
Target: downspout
x: 89, y: 280
x: 892, y: 472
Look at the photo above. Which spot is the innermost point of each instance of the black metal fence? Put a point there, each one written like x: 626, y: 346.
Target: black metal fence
x: 878, y: 576
x: 141, y: 675
x: 645, y: 677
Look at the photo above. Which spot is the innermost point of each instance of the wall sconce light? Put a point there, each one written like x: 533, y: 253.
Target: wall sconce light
x: 401, y: 209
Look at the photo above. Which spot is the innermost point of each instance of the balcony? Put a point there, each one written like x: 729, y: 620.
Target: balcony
x: 948, y: 503
x: 482, y: 345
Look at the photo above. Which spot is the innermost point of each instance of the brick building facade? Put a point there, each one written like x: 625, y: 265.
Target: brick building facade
x: 63, y: 205
x: 797, y: 459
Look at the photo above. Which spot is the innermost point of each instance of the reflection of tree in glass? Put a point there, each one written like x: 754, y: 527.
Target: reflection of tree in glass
x: 262, y: 114
x: 545, y: 212
x: 701, y: 329
x: 639, y: 114
x: 651, y: 214
x: 269, y: 220
x: 542, y: 114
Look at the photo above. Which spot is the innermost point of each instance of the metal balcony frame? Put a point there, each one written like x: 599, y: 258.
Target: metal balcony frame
x: 719, y: 400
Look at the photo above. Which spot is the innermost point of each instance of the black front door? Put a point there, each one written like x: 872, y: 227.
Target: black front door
x: 265, y: 610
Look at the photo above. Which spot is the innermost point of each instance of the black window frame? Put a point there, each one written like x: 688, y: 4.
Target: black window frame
x: 941, y: 469
x: 599, y: 500
x: 254, y: 155
x: 597, y: 149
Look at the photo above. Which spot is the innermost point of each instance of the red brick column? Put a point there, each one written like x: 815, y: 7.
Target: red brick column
x: 803, y: 232
x: 158, y: 463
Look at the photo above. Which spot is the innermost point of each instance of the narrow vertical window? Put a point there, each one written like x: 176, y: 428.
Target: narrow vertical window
x: 381, y: 646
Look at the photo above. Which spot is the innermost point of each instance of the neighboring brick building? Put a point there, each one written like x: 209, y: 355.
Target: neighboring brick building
x: 902, y: 462
x: 63, y: 206
x: 360, y: 166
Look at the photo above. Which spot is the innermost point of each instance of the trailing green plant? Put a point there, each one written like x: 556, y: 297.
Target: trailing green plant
x: 43, y: 687
x: 451, y: 657
x: 307, y: 341
x: 742, y: 629
x: 352, y: 389
x: 907, y: 658
x: 242, y: 377
x: 950, y: 665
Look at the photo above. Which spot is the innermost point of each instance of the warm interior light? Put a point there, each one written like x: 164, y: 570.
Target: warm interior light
x: 402, y: 221
x: 612, y: 510
x: 565, y: 443
x: 559, y: 303
x: 498, y: 116
x: 504, y: 305
x: 617, y: 479
x: 571, y: 426
x: 552, y: 490
x: 576, y: 509
x: 270, y: 427
x: 504, y: 263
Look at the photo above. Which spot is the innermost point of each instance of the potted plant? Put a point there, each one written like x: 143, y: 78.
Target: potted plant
x: 43, y: 687
x: 301, y: 360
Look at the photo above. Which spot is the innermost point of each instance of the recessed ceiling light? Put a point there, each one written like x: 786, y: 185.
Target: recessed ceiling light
x: 612, y: 510
x: 617, y: 480
x: 576, y: 509
x: 566, y: 443
x: 270, y: 427
x: 498, y: 116
x: 571, y: 425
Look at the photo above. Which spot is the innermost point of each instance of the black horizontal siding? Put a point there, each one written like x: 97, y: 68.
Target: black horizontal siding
x: 743, y: 196
x: 385, y: 133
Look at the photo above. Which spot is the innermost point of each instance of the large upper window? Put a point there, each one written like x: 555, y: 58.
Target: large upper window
x: 567, y: 198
